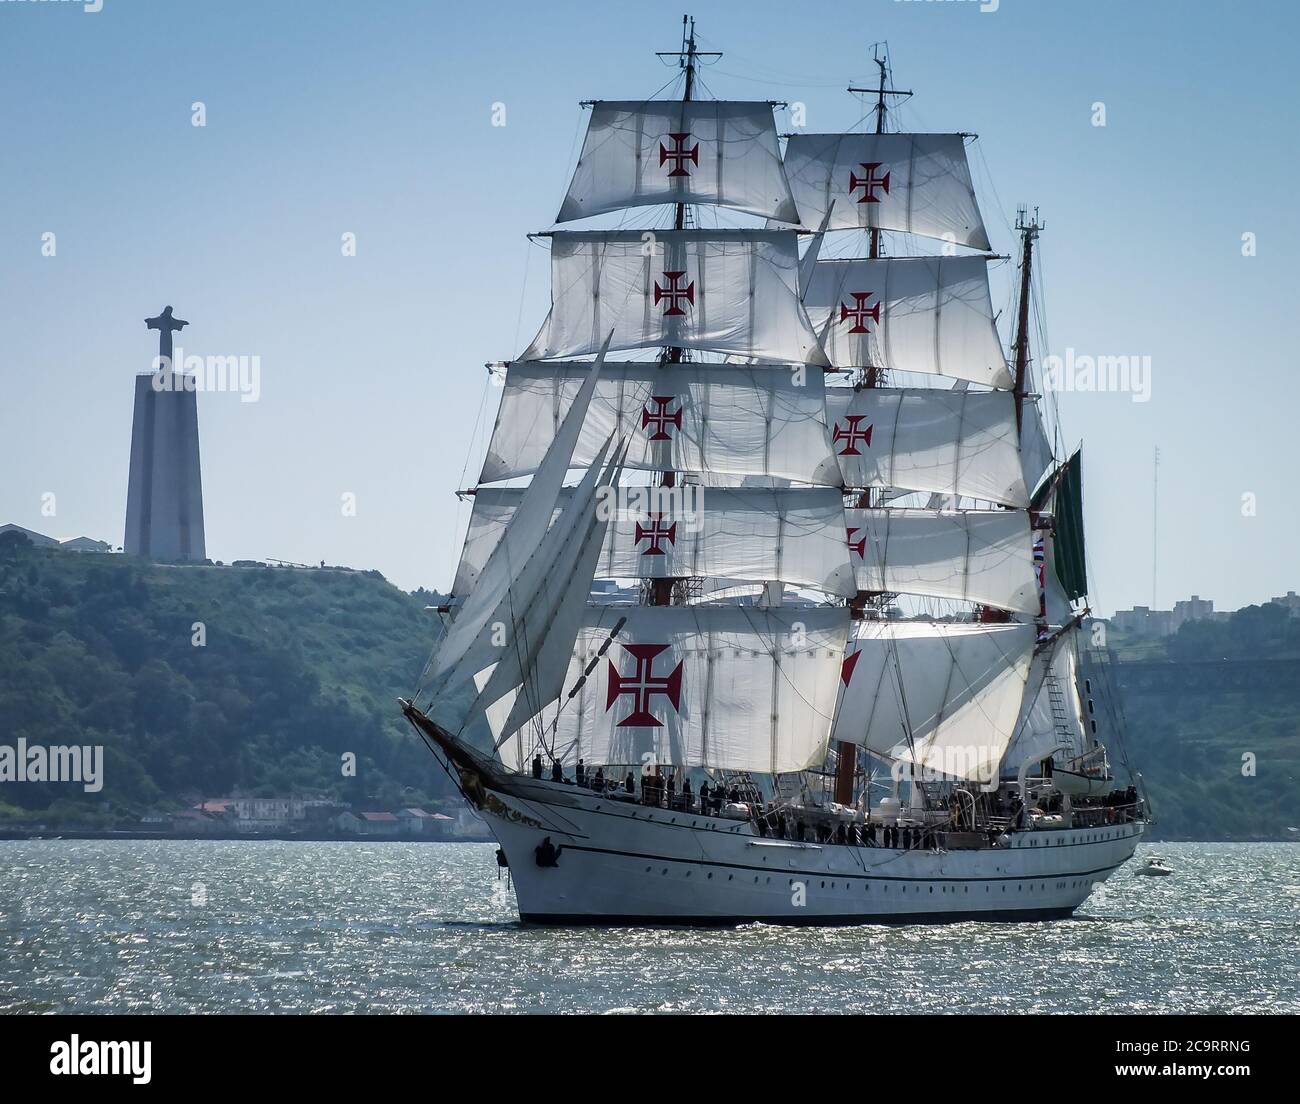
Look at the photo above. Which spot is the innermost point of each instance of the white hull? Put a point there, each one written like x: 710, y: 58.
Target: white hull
x: 629, y: 863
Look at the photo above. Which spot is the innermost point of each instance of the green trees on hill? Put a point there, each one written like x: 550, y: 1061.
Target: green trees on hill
x: 203, y: 680
x: 1256, y: 632
x: 1219, y: 754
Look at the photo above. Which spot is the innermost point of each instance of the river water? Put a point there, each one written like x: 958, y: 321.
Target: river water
x: 235, y: 926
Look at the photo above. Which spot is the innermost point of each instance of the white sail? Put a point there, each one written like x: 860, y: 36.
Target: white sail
x: 917, y: 183
x: 1040, y: 728
x: 919, y: 439
x: 983, y: 556
x: 500, y: 655
x: 502, y: 577
x: 704, y: 686
x: 720, y: 152
x: 535, y: 658
x: 955, y: 689
x: 760, y: 420
x: 730, y: 291
x: 908, y: 314
x: 746, y: 534
x: 1035, y: 446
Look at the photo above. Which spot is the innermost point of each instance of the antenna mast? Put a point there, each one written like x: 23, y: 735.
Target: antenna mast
x: 1155, y: 519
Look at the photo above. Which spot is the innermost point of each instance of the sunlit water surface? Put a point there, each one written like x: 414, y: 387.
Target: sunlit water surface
x: 181, y: 926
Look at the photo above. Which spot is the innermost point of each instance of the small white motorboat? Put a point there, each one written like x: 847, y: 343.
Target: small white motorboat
x: 1156, y: 868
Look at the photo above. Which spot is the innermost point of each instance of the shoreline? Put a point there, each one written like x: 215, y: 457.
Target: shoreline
x: 246, y: 837
x: 10, y: 834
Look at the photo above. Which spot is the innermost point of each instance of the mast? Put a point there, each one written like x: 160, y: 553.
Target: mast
x: 872, y: 376
x: 661, y: 590
x: 1029, y: 228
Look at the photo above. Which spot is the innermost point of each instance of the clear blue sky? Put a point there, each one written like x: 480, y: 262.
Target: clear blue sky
x: 375, y: 118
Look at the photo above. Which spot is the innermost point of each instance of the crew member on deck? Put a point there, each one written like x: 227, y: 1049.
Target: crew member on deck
x: 537, y: 765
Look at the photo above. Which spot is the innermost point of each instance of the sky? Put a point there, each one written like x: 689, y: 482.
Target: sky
x: 375, y: 119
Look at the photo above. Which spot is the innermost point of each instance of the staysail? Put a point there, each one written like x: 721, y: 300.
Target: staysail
x: 717, y: 152
x: 1051, y: 715
x: 536, y: 560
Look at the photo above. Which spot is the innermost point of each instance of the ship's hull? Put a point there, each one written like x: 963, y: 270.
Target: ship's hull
x: 625, y: 863
x: 579, y: 858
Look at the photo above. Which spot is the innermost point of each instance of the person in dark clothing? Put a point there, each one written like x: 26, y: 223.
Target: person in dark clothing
x: 800, y: 831
x: 629, y: 783
x: 557, y: 771
x: 704, y: 798
x: 780, y: 825
x: 598, y: 783
x: 537, y: 765
x: 687, y: 796
x: 841, y: 834
x: 581, y: 773
x: 762, y: 826
x: 734, y: 796
x: 871, y: 834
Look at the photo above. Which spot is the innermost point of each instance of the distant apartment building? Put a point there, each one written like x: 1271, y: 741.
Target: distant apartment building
x: 1142, y: 621
x: 267, y: 814
x: 1291, y: 600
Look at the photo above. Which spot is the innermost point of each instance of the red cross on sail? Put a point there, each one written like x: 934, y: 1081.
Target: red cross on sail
x: 869, y: 183
x: 679, y: 155
x: 850, y: 432
x: 860, y: 312
x: 661, y: 417
x: 642, y: 685
x: 673, y: 294
x: 846, y: 668
x: 655, y: 532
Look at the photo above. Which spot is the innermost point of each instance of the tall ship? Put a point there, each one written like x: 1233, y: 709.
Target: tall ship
x: 778, y: 618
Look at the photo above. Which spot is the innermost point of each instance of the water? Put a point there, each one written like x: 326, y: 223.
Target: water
x: 181, y: 926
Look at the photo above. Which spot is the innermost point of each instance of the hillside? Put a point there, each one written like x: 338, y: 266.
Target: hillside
x: 299, y: 667
x: 1213, y: 717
